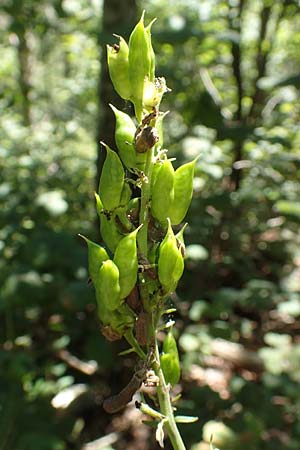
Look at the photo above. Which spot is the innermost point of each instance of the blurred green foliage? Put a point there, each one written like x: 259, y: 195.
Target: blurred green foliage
x: 233, y: 68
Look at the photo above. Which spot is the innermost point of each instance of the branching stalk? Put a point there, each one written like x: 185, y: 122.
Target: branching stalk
x: 163, y: 393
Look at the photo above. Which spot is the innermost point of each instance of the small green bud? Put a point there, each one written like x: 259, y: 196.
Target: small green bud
x: 118, y: 65
x: 111, y: 180
x: 169, y: 360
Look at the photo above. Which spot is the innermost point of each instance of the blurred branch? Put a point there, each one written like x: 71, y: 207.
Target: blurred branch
x: 236, y: 174
x: 265, y: 46
x: 214, y: 93
x: 101, y: 443
x: 261, y: 59
x: 24, y: 73
x: 236, y: 354
x: 237, y: 57
x: 88, y: 368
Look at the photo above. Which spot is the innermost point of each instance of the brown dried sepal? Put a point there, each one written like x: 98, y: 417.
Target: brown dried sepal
x: 110, y: 334
x: 152, y: 116
x: 147, y: 267
x: 155, y: 231
x: 133, y: 215
x: 146, y: 139
x: 181, y: 247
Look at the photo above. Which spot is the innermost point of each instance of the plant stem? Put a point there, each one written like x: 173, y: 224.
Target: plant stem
x: 163, y: 393
x: 145, y: 198
x: 135, y: 345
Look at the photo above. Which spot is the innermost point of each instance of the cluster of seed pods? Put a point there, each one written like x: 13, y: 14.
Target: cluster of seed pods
x: 131, y: 283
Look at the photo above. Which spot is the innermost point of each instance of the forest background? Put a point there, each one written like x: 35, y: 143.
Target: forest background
x: 233, y: 67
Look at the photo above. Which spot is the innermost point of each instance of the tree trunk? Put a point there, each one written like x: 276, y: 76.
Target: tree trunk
x: 120, y: 18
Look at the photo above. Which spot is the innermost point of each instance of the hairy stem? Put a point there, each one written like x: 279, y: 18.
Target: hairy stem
x: 145, y: 198
x: 163, y: 393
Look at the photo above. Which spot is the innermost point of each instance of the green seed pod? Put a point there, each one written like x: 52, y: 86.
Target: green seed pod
x: 108, y: 228
x: 183, y: 192
x: 125, y: 195
x: 124, y: 137
x: 103, y: 313
x: 140, y: 64
x: 141, y: 161
x: 169, y: 360
x: 107, y: 286
x: 120, y: 213
x: 151, y: 51
x: 169, y: 344
x: 127, y: 262
x: 97, y: 255
x: 109, y: 232
x: 163, y: 192
x: 156, y: 166
x: 170, y: 262
x: 118, y: 65
x: 111, y: 180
